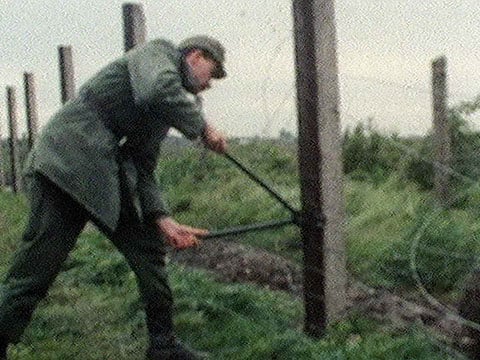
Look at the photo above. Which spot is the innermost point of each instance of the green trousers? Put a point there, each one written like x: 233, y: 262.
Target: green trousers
x: 56, y: 220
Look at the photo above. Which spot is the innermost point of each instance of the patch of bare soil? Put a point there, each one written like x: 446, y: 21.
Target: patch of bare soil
x: 232, y: 262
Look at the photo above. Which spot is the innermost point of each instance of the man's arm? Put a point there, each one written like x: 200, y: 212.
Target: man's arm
x: 155, y: 210
x: 157, y: 88
x: 182, y: 236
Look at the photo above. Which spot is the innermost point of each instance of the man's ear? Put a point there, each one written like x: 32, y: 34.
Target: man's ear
x: 194, y: 56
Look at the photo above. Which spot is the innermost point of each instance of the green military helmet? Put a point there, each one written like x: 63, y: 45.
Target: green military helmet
x: 211, y: 46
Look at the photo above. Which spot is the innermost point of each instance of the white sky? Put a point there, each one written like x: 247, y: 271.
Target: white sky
x: 385, y: 50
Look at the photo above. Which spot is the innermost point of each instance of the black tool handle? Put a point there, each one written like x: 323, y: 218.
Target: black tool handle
x: 248, y: 228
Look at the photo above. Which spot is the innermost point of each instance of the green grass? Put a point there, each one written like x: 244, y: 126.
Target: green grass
x: 394, y: 230
x: 228, y: 321
x: 93, y: 312
x: 85, y: 319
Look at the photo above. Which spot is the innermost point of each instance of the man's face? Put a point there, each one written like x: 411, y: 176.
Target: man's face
x: 201, y: 69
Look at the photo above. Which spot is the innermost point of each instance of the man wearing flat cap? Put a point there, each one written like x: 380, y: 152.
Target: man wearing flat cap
x: 95, y: 161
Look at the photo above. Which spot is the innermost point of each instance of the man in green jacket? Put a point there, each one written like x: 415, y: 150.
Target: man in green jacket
x: 95, y: 161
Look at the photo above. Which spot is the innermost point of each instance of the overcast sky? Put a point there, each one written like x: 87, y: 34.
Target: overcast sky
x: 385, y: 49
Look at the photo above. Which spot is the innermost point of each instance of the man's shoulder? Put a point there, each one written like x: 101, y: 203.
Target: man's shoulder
x: 158, y: 46
x: 162, y: 43
x: 160, y: 49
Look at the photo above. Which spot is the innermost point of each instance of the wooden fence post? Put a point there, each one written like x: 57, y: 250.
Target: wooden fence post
x: 67, y: 79
x: 321, y: 174
x: 441, y: 131
x: 133, y: 25
x: 13, y: 139
x: 2, y: 162
x: 31, y: 108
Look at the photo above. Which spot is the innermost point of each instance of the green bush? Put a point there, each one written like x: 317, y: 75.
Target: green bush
x: 369, y: 155
x: 465, y: 161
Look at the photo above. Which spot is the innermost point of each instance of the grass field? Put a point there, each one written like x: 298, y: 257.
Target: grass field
x: 93, y: 312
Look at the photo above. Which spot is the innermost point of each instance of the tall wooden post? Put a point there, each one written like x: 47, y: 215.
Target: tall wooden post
x: 13, y: 139
x: 441, y: 131
x: 321, y: 175
x: 133, y: 25
x: 31, y: 108
x: 67, y: 78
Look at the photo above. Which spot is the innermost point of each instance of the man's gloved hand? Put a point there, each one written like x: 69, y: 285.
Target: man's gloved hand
x: 177, y: 235
x: 214, y: 140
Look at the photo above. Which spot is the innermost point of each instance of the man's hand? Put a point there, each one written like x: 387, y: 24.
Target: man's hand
x: 214, y: 140
x: 179, y: 236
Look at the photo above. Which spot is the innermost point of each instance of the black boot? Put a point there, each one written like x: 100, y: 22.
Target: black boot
x: 163, y: 343
x: 3, y: 349
x: 469, y: 309
x: 171, y: 350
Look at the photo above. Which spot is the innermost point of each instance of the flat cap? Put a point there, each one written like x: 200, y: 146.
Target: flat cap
x: 212, y: 47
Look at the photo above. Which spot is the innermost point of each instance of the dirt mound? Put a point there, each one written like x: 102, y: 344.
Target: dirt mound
x: 232, y: 262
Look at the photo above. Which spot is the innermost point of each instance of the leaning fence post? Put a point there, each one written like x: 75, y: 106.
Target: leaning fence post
x: 134, y: 29
x: 441, y: 131
x: 31, y: 108
x: 321, y: 175
x: 67, y: 81
x: 13, y: 139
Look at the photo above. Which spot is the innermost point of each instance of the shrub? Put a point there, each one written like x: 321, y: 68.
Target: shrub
x: 465, y: 162
x: 369, y: 155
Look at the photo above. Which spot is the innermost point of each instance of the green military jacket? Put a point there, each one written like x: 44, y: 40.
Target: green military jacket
x: 117, y: 122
